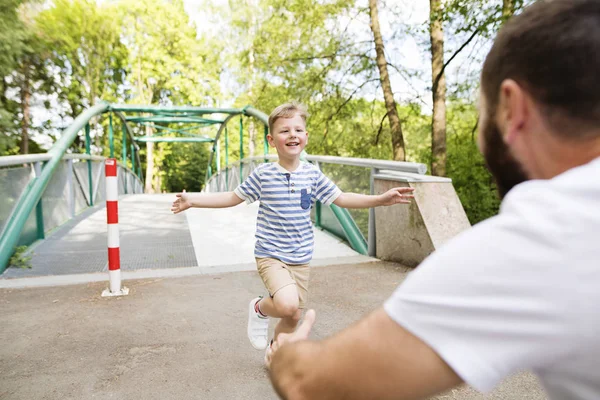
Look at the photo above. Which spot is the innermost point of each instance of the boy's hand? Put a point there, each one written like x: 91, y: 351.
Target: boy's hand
x: 301, y: 334
x: 402, y: 195
x: 181, y: 203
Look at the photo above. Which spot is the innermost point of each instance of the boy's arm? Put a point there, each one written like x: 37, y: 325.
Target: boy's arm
x: 396, y: 195
x: 204, y: 200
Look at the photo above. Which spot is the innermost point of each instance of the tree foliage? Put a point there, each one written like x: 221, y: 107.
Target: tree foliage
x: 70, y: 54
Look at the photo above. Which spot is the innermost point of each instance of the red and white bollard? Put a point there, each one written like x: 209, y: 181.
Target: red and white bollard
x: 112, y: 219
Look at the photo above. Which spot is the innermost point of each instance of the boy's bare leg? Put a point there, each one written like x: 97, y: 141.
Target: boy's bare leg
x: 287, y: 325
x: 283, y: 305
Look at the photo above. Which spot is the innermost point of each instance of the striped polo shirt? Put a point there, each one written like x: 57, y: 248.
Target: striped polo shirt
x: 283, y: 227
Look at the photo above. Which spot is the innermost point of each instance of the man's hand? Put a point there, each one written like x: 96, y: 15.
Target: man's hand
x: 181, y: 203
x: 397, y: 195
x: 285, y: 338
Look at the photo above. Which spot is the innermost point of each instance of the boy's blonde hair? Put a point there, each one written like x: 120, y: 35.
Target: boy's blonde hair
x: 288, y: 110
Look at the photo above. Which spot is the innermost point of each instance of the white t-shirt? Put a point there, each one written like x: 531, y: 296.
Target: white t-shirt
x: 519, y: 291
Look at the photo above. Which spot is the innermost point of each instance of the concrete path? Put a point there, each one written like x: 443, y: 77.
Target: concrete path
x: 175, y: 338
x: 153, y: 239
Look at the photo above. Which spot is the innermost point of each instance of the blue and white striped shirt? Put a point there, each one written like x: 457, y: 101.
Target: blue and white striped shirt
x: 283, y: 227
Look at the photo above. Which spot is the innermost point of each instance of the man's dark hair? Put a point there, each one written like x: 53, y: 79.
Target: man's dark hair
x: 552, y: 49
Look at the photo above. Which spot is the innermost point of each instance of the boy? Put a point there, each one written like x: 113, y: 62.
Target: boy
x: 287, y: 190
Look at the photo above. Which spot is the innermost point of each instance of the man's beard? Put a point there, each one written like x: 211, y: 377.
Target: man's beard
x: 506, y: 170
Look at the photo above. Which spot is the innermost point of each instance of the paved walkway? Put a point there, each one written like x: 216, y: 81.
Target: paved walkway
x: 176, y: 338
x: 153, y: 239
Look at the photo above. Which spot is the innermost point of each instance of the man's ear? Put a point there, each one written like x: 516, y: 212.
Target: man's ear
x: 513, y: 110
x: 270, y: 140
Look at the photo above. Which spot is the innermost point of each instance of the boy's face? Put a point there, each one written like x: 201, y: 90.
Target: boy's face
x: 289, y: 137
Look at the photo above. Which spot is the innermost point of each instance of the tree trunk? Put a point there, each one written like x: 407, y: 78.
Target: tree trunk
x: 149, y: 162
x: 388, y: 94
x: 438, y: 120
x: 25, y: 108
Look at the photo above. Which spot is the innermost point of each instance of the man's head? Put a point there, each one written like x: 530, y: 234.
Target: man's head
x: 540, y: 87
x: 287, y: 130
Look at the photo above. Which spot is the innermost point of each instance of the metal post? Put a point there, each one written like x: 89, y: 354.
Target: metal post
x: 39, y: 211
x: 133, y: 158
x: 111, y: 139
x: 112, y: 220
x: 124, y: 156
x: 217, y: 149
x: 241, y: 149
x: 318, y: 206
x: 71, y: 187
x: 318, y: 214
x: 89, y: 164
x: 226, y: 158
x: 266, y: 151
x: 372, y: 238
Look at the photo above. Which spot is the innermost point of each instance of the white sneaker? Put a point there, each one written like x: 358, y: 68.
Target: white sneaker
x: 258, y: 328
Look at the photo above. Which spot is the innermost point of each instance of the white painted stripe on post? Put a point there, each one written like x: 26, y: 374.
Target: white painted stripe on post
x: 115, y: 280
x: 112, y: 188
x: 113, y: 235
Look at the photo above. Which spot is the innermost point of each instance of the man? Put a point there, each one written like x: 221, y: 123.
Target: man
x: 520, y: 291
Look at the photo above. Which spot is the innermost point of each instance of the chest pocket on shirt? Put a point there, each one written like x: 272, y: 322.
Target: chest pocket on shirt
x: 305, y: 198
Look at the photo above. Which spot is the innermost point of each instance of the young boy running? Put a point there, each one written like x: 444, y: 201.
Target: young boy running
x: 287, y: 190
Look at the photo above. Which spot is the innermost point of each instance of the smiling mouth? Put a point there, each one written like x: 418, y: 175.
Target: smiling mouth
x: 293, y: 144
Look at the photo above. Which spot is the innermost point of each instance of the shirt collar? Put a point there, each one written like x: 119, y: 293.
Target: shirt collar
x: 285, y: 171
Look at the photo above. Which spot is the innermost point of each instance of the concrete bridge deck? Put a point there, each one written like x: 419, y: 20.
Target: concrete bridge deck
x: 153, y: 239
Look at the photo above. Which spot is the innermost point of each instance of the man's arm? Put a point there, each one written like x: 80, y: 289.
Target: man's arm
x: 204, y: 200
x: 374, y: 359
x: 397, y: 195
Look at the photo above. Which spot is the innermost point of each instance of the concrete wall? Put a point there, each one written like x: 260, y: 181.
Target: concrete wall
x: 408, y: 234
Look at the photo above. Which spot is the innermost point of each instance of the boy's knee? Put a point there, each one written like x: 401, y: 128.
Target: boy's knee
x: 288, y: 309
x: 296, y: 317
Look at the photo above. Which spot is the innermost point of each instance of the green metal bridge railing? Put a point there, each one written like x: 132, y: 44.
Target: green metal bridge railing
x: 177, y: 124
x: 37, y: 171
x: 350, y: 174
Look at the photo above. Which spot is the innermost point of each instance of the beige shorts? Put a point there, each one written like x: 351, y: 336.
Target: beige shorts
x: 276, y: 275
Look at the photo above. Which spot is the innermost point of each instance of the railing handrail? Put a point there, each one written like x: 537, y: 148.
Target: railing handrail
x: 9, y: 161
x: 34, y: 190
x: 399, y: 166
x: 351, y: 230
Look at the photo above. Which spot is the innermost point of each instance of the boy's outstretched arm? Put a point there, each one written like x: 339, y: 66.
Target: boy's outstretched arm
x: 398, y: 195
x: 204, y: 200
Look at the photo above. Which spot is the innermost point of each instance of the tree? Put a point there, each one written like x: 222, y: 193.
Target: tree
x: 84, y: 41
x: 388, y: 95
x: 184, y: 166
x: 32, y: 70
x: 167, y: 63
x: 438, y: 125
x: 12, y: 45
